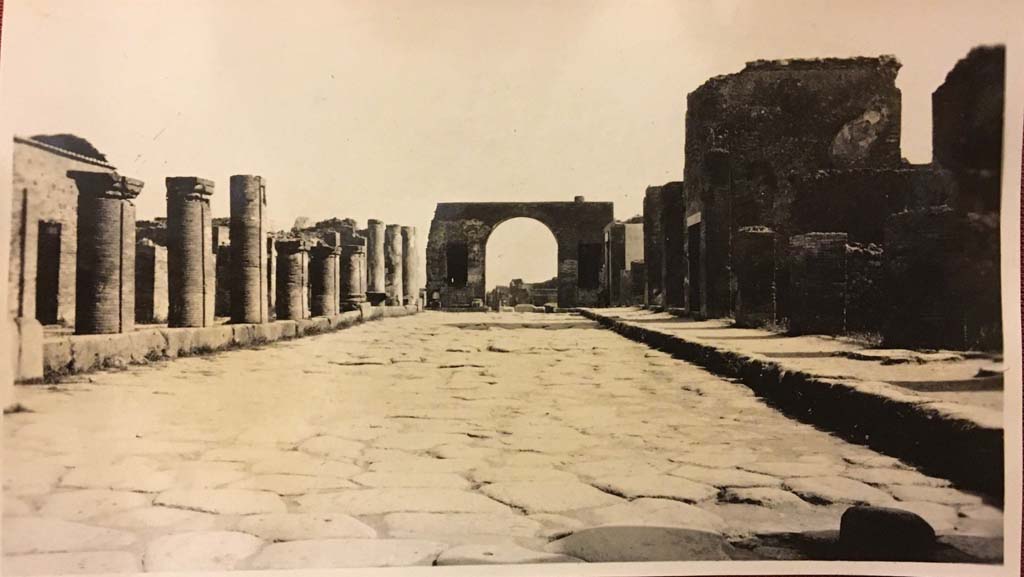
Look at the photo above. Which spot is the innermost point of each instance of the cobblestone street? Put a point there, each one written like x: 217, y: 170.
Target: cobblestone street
x: 431, y: 439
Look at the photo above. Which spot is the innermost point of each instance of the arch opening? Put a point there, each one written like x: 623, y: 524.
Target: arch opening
x: 521, y: 265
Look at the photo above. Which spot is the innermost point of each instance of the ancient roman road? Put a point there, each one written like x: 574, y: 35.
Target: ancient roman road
x: 437, y: 438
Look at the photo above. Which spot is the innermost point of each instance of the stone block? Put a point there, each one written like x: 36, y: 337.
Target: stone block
x: 57, y: 356
x: 147, y: 345
x: 243, y: 335
x: 885, y: 534
x: 214, y: 338
x: 345, y: 319
x: 28, y: 350
x: 91, y: 352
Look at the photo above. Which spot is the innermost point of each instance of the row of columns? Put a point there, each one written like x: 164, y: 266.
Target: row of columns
x: 379, y: 266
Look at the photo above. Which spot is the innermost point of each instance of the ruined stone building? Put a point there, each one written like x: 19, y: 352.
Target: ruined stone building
x: 44, y: 231
x: 797, y: 207
x: 623, y: 245
x: 80, y: 259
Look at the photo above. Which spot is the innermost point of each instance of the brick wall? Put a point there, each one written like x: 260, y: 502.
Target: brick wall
x: 817, y: 276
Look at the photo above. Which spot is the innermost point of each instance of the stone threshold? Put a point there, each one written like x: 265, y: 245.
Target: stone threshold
x: 958, y: 442
x: 76, y: 354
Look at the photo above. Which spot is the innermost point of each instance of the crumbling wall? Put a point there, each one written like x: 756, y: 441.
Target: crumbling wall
x: 151, y: 283
x: 673, y: 254
x: 754, y: 259
x: 817, y: 263
x: 857, y: 201
x: 967, y: 127
x: 748, y: 133
x: 654, y: 246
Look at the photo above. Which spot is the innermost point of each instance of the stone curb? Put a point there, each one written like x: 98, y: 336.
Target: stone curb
x: 84, y: 353
x: 962, y: 444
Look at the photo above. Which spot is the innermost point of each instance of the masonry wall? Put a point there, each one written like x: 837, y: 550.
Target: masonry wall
x: 42, y: 192
x: 673, y: 257
x: 654, y: 246
x: 967, y: 127
x: 746, y: 133
x: 151, y: 283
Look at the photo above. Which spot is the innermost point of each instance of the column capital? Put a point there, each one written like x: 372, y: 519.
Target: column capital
x: 105, y: 183
x: 291, y: 246
x: 189, y: 186
x: 323, y: 250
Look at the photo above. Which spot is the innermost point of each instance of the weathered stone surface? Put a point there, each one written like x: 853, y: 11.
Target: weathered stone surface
x: 207, y: 474
x: 90, y: 562
x: 31, y: 478
x: 135, y: 474
x: 333, y: 447
x: 339, y: 553
x: 437, y: 525
x: 35, y: 535
x: 437, y: 480
x: 498, y: 554
x: 152, y: 517
x: 402, y: 499
x: 791, y: 469
x: 416, y: 441
x: 292, y: 484
x: 298, y: 463
x: 555, y: 526
x: 837, y: 490
x: 14, y: 507
x: 878, y: 476
x: 241, y: 453
x: 548, y: 497
x: 79, y: 505
x: 618, y: 467
x: 665, y: 486
x: 725, y: 477
x: 763, y: 496
x: 299, y: 526
x: 944, y: 495
x: 222, y: 501
x: 710, y: 457
x: 657, y: 513
x: 200, y: 551
x: 513, y: 474
x: 400, y: 461
x: 631, y: 544
x: 883, y: 533
x: 942, y: 518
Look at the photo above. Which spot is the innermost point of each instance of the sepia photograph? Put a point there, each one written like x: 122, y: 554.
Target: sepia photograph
x: 545, y: 287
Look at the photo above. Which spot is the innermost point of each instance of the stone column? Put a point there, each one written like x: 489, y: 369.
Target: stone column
x: 248, y: 250
x: 271, y: 277
x: 105, y: 292
x: 375, y: 287
x: 393, y: 264
x: 410, y: 266
x: 352, y: 289
x: 292, y: 283
x: 323, y: 275
x: 191, y: 272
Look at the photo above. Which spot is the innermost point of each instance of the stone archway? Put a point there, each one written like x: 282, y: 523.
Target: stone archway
x: 456, y: 248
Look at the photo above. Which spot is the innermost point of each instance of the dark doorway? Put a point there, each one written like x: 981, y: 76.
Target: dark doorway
x: 693, y: 252
x: 589, y: 271
x: 48, y: 272
x: 457, y: 264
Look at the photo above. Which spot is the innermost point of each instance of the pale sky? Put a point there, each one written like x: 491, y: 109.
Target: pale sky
x: 381, y: 109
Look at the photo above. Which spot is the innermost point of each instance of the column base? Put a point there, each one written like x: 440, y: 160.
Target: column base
x: 376, y: 299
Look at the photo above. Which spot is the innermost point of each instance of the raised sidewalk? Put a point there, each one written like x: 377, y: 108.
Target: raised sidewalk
x: 941, y: 411
x: 63, y: 355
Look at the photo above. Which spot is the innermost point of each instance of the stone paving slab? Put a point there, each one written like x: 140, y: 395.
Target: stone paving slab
x: 282, y: 458
x: 938, y: 409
